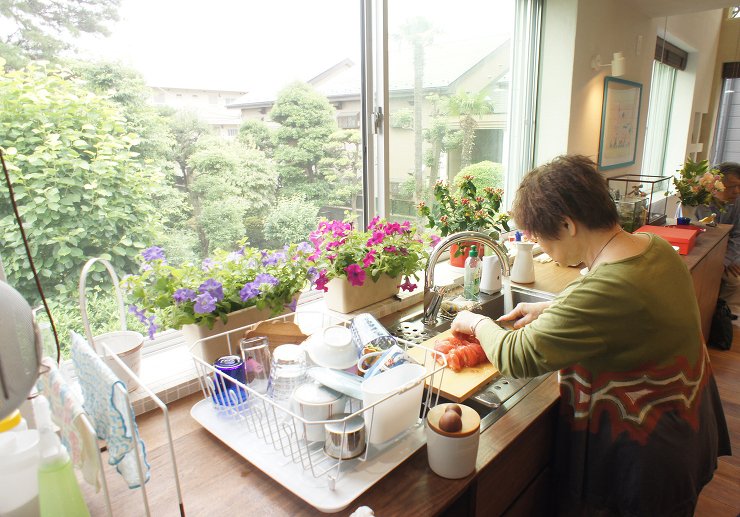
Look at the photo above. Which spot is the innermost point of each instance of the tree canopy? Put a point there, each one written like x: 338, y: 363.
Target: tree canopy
x: 33, y: 30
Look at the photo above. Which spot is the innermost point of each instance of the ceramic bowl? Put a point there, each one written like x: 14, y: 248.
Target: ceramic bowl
x: 332, y: 348
x: 315, y: 403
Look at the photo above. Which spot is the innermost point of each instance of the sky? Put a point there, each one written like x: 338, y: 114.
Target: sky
x: 249, y: 45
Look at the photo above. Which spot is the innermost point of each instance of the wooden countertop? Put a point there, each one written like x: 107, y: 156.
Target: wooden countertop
x: 217, y: 481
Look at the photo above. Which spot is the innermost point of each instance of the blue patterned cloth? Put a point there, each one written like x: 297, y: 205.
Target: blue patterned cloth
x: 108, y: 409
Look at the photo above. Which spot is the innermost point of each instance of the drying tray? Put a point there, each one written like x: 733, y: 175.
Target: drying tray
x: 357, y: 475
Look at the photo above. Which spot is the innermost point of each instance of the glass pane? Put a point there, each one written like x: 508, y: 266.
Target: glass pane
x: 658, y: 120
x: 197, y: 126
x: 449, y: 82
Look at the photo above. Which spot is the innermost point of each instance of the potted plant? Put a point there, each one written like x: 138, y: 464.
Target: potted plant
x: 697, y: 185
x: 467, y: 210
x: 224, y: 292
x: 375, y: 259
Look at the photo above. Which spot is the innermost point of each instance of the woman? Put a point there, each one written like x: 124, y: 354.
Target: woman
x: 641, y: 420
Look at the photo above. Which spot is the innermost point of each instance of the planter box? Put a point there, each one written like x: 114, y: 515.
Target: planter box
x: 344, y: 297
x: 212, y: 349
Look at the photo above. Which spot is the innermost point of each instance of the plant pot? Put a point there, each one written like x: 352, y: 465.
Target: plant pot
x: 211, y: 349
x: 459, y: 261
x: 344, y: 297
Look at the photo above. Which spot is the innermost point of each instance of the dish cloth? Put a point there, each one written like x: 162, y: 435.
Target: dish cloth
x: 67, y: 414
x: 108, y: 408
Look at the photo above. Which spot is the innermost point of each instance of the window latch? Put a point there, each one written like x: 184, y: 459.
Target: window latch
x: 378, y: 118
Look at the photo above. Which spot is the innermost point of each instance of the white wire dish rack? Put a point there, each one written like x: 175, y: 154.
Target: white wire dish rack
x: 268, y: 434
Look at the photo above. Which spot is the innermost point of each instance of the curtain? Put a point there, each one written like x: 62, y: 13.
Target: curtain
x: 658, y: 119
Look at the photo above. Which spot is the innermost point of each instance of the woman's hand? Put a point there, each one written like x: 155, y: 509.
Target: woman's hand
x: 525, y: 313
x: 466, y: 321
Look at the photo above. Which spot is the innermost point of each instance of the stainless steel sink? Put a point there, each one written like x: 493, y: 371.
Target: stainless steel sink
x: 494, y: 400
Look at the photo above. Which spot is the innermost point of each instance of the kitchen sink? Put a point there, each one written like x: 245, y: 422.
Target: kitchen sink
x: 492, y: 401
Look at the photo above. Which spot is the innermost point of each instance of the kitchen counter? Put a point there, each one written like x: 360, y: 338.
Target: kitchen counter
x: 511, y: 479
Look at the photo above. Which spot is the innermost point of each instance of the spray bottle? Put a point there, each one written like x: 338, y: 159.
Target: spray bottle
x: 59, y: 492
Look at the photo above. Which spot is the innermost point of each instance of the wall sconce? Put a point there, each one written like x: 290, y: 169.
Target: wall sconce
x: 617, y: 64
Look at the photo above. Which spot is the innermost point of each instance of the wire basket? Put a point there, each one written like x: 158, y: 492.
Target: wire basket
x: 270, y: 434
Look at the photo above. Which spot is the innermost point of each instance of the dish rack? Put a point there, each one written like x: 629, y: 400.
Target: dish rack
x: 268, y: 434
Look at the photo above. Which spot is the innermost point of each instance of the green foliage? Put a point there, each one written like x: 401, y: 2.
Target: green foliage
x: 81, y: 191
x: 403, y: 119
x: 465, y: 106
x: 292, y: 220
x: 255, y: 229
x: 697, y: 184
x: 485, y: 174
x: 38, y: 30
x: 256, y: 133
x: 467, y: 210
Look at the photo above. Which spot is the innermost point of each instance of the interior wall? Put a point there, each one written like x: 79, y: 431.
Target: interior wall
x: 602, y: 28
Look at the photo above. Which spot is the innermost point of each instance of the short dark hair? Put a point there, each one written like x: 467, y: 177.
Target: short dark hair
x: 729, y: 168
x: 568, y: 186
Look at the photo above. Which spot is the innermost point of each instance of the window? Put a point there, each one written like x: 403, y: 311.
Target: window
x: 196, y: 199
x: 658, y: 120
x: 726, y: 144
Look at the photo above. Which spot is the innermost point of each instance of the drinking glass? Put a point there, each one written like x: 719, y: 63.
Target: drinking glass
x: 256, y: 357
x: 287, y: 372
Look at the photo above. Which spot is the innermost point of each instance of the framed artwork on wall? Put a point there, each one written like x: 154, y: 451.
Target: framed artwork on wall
x: 620, y: 118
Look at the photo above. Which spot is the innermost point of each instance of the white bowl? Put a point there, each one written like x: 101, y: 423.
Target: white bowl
x: 333, y: 348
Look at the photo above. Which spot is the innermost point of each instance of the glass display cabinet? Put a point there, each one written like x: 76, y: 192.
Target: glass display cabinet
x: 634, y: 194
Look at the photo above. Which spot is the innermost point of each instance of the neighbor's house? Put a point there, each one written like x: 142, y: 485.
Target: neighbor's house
x: 208, y: 105
x: 474, y: 65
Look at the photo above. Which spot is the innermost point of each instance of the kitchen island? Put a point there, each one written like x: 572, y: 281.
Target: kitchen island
x: 512, y: 473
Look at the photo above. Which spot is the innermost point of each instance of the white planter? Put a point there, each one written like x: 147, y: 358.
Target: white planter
x: 211, y: 349
x: 688, y: 211
x: 344, y: 297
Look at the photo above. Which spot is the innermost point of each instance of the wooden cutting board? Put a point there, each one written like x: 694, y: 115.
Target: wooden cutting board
x: 454, y: 386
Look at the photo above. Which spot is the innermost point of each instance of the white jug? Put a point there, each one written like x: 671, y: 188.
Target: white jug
x: 523, y: 270
x: 490, y: 280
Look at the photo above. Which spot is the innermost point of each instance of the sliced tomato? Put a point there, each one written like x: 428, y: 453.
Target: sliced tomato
x: 482, y: 358
x: 471, y: 358
x: 455, y: 361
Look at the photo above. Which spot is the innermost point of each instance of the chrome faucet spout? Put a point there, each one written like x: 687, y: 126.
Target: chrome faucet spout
x: 433, y: 295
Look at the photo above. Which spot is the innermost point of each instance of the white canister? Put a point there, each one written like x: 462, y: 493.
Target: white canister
x: 522, y: 272
x: 490, y: 280
x: 452, y: 455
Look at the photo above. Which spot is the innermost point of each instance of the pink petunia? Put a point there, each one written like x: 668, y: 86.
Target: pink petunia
x: 355, y: 274
x: 321, y: 282
x: 377, y: 238
x: 407, y: 285
x: 435, y: 240
x: 369, y: 258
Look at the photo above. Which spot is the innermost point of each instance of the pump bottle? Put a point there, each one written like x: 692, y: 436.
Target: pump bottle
x: 471, y: 285
x: 59, y: 492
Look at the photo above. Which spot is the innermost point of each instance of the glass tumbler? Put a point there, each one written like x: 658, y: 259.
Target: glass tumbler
x: 287, y: 372
x: 256, y: 357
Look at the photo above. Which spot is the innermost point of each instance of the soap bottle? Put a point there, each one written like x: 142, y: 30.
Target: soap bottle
x: 59, y: 492
x: 522, y: 272
x: 471, y: 285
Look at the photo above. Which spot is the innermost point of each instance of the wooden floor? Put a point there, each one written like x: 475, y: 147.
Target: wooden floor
x: 721, y: 497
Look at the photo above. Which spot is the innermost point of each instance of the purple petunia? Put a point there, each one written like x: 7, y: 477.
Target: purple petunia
x: 292, y: 305
x: 204, y: 304
x: 183, y: 294
x: 152, y: 327
x: 274, y: 258
x: 305, y: 247
x: 153, y: 253
x: 207, y: 264
x: 265, y: 278
x: 249, y: 291
x: 212, y: 287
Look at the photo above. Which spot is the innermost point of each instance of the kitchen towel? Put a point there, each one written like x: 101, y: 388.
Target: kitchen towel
x: 67, y: 414
x: 109, y: 411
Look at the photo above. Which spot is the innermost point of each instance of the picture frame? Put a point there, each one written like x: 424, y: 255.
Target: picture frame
x: 620, y: 120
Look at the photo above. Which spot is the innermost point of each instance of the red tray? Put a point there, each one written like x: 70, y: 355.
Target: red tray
x: 686, y: 227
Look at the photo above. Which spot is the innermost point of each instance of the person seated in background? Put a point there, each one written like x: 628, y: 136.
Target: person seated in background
x: 730, y: 289
x: 641, y: 422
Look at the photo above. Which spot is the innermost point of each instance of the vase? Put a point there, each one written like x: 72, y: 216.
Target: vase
x: 459, y: 261
x: 344, y: 297
x: 212, y: 349
x: 688, y: 211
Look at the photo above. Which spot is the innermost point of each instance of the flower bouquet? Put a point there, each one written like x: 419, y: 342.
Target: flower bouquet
x: 697, y: 185
x: 344, y: 251
x: 170, y: 297
x: 466, y: 211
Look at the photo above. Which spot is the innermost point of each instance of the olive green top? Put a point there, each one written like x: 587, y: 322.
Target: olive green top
x: 616, y: 317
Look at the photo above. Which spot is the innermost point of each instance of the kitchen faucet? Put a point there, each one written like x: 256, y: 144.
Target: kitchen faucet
x: 433, y: 295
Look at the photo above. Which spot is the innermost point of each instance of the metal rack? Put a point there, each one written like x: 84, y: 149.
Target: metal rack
x: 267, y: 434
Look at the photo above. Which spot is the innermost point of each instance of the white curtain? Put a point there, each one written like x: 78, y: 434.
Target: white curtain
x: 658, y: 119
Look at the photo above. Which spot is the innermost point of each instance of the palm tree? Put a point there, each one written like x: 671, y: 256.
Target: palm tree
x: 419, y: 33
x: 465, y: 106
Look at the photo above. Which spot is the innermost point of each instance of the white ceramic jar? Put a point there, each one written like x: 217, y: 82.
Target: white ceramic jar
x: 452, y: 455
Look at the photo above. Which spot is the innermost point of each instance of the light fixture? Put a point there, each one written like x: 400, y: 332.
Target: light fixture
x: 617, y: 64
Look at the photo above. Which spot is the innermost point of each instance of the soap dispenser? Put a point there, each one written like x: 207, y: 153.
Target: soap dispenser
x: 522, y: 272
x: 59, y: 491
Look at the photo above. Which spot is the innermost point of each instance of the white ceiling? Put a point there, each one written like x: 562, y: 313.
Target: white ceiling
x: 661, y: 8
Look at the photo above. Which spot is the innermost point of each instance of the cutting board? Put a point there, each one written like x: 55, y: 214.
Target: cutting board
x: 454, y: 386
